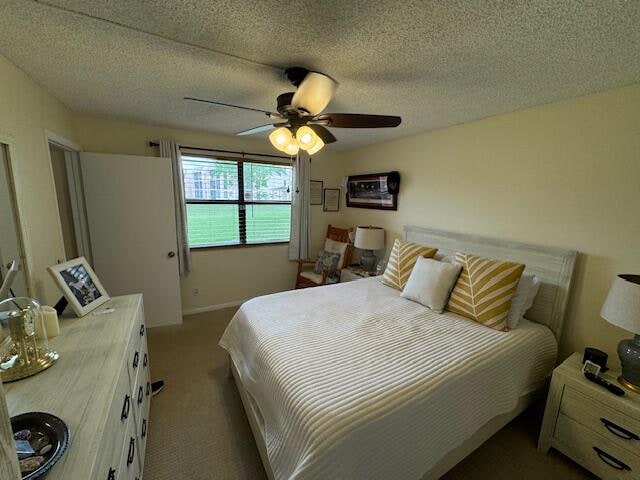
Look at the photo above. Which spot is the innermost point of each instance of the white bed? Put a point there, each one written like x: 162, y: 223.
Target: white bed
x: 352, y: 381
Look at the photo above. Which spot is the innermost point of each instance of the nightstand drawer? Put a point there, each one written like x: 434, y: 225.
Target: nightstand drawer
x: 608, y: 422
x: 597, y: 453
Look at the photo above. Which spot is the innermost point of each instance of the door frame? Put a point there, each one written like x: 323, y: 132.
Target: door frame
x: 24, y: 240
x: 67, y: 145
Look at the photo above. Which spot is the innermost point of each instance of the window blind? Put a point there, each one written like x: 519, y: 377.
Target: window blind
x: 217, y: 215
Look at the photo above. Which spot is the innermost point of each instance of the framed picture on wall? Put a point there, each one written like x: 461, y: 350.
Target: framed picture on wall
x: 80, y: 285
x: 375, y: 190
x: 331, y: 200
x: 316, y: 192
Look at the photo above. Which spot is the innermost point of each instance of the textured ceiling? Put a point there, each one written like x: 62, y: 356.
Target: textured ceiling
x: 435, y: 63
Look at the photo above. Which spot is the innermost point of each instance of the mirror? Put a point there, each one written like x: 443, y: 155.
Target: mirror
x: 11, y: 246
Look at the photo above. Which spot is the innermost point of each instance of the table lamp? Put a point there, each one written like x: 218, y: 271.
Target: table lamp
x: 369, y: 239
x: 622, y: 308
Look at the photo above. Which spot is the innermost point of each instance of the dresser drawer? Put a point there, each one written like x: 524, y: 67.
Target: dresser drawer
x: 143, y: 423
x: 608, y: 422
x: 118, y: 418
x: 139, y: 383
x: 597, y: 453
x: 135, y: 353
x: 129, y: 462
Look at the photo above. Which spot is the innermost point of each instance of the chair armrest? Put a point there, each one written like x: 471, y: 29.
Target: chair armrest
x: 303, y: 262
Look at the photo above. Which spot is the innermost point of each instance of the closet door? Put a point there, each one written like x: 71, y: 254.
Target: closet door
x: 131, y: 216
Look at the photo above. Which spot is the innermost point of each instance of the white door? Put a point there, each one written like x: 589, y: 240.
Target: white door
x: 130, y: 208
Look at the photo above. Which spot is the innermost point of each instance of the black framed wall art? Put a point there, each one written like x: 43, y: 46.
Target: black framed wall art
x: 375, y: 190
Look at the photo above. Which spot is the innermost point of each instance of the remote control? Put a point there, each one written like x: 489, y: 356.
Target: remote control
x: 602, y: 382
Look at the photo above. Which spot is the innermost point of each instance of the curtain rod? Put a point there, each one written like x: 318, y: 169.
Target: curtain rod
x: 156, y: 144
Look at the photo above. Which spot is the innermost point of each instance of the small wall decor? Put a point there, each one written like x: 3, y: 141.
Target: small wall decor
x: 331, y: 200
x: 316, y: 192
x: 376, y: 190
x: 80, y: 285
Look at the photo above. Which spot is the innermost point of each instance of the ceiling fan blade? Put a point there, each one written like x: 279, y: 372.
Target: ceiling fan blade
x: 314, y: 93
x: 193, y: 99
x: 262, y: 128
x: 357, y: 120
x: 325, y: 135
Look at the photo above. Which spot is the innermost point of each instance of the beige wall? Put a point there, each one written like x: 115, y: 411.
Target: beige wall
x: 220, y: 275
x: 565, y: 174
x: 26, y: 110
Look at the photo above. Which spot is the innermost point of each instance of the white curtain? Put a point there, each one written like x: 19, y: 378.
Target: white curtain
x: 172, y: 150
x: 299, y: 244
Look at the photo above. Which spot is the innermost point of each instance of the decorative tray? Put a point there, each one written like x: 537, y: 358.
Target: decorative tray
x: 41, y: 439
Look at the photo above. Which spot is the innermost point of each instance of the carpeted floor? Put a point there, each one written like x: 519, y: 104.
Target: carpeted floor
x: 199, y: 431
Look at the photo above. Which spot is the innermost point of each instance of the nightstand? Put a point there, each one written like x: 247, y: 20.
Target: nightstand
x: 591, y: 425
x: 354, y: 272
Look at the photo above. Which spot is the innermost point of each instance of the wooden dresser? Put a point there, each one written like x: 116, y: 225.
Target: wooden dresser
x: 591, y: 425
x: 100, y: 387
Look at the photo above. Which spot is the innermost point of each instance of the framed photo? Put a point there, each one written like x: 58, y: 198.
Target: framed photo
x: 376, y: 190
x: 331, y: 199
x: 316, y: 192
x: 80, y: 285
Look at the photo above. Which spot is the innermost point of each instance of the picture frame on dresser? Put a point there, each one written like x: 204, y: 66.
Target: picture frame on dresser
x: 80, y: 285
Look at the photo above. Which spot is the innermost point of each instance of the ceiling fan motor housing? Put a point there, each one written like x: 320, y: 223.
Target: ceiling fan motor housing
x: 295, y: 116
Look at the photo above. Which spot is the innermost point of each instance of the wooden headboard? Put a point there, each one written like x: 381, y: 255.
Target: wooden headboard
x: 553, y: 266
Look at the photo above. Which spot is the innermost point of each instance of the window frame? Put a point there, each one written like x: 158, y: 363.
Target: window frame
x: 241, y: 202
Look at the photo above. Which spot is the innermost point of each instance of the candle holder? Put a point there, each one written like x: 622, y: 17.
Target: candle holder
x: 24, y: 346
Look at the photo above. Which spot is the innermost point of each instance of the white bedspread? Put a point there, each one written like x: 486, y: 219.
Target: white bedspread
x: 354, y: 382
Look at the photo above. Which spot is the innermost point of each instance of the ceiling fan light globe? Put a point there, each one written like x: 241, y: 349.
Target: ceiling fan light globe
x: 280, y: 138
x: 314, y: 93
x: 317, y: 147
x: 306, y: 137
x: 292, y: 148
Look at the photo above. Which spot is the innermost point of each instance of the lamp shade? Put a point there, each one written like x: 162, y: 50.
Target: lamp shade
x: 369, y: 238
x: 622, y: 306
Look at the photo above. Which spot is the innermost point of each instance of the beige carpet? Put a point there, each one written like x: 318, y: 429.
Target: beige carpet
x: 198, y: 429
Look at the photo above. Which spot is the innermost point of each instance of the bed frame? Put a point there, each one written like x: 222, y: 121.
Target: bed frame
x: 553, y: 266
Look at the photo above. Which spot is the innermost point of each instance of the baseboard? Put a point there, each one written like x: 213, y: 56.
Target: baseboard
x: 212, y: 308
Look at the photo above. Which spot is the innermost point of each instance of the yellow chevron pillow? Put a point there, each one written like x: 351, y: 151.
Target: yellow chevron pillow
x: 401, y: 261
x: 484, y: 289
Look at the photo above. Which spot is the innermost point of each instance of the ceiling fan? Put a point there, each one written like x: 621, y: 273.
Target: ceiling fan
x: 299, y: 122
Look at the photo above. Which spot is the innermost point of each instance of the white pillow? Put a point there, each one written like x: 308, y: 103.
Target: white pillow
x: 336, y: 247
x: 431, y: 282
x: 522, y: 300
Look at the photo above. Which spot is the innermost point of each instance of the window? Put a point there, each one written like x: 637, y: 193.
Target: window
x: 217, y: 214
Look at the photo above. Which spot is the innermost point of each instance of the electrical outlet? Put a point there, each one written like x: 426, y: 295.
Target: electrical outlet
x: 196, y: 292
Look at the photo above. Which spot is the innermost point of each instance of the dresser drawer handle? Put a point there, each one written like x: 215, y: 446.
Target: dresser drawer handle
x: 136, y: 359
x: 618, y: 431
x: 112, y: 474
x: 144, y: 427
x: 611, y: 461
x: 125, y: 408
x: 145, y: 360
x: 142, y: 330
x: 148, y: 388
x: 140, y: 395
x: 132, y: 451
